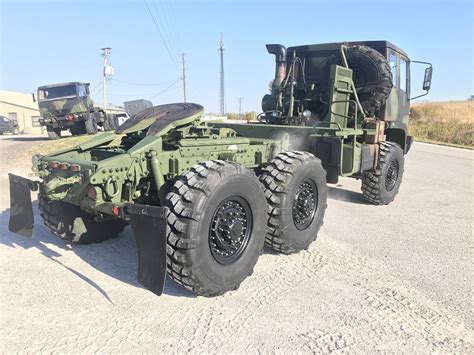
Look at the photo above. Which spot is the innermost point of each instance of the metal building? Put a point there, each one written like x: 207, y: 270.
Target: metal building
x: 20, y: 107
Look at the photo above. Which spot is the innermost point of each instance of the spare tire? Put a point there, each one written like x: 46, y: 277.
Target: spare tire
x: 371, y: 75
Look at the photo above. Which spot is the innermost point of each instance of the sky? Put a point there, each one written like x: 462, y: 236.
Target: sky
x: 46, y: 42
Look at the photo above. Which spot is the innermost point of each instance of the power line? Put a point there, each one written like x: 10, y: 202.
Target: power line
x: 168, y: 28
x: 165, y: 29
x: 142, y: 84
x: 166, y: 89
x: 161, y: 35
x: 95, y: 86
x: 174, y: 92
x: 172, y: 21
x: 98, y: 92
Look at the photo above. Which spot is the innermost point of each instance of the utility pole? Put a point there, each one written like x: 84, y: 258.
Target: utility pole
x: 108, y: 71
x: 184, y: 77
x: 240, y: 106
x: 222, y: 87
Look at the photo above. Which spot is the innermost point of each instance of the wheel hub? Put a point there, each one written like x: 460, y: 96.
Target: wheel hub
x: 392, y: 175
x: 305, y: 204
x: 230, y: 230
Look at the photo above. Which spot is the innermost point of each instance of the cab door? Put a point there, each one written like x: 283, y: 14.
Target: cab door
x: 397, y: 107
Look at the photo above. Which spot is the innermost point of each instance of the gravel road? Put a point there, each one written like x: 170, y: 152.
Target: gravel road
x: 396, y: 278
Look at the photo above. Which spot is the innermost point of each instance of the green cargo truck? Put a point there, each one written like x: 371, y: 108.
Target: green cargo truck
x: 68, y: 106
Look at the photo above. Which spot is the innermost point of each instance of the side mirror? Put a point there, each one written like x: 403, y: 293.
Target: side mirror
x: 427, y: 79
x: 33, y: 97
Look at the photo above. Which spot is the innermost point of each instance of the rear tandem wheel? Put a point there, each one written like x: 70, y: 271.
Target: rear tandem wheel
x: 69, y: 223
x: 296, y: 192
x: 216, y: 227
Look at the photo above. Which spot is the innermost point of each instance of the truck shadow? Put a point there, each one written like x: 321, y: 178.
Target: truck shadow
x: 337, y: 193
x: 27, y: 139
x: 116, y: 257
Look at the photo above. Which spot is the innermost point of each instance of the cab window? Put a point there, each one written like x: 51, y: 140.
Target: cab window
x: 81, y: 91
x: 403, y: 75
x: 392, y: 58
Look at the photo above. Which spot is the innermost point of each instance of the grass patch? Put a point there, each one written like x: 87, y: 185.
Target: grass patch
x: 444, y: 122
x: 52, y: 146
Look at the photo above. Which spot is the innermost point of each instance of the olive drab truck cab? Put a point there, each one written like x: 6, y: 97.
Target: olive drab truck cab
x: 68, y: 106
x: 358, y: 95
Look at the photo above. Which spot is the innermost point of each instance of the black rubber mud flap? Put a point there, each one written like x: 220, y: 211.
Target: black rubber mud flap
x: 21, y: 208
x: 149, y: 229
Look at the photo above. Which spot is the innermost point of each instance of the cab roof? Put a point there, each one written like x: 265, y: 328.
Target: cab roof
x: 377, y: 44
x: 62, y: 84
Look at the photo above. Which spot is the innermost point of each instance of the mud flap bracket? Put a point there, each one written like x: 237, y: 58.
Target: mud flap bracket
x: 149, y: 230
x: 21, y: 209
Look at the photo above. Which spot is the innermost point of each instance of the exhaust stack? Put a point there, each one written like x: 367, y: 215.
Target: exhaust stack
x: 280, y: 60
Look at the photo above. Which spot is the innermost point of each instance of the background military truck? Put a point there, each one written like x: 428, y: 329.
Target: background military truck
x: 69, y: 106
x: 203, y: 198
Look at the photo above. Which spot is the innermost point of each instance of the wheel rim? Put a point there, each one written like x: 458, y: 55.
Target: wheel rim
x: 230, y: 230
x: 392, y: 175
x: 305, y: 204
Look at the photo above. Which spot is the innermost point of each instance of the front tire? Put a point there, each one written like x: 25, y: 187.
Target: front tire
x: 216, y: 227
x: 296, y: 192
x: 77, y: 129
x: 109, y: 122
x: 91, y: 125
x: 54, y: 133
x: 380, y: 187
x: 69, y: 223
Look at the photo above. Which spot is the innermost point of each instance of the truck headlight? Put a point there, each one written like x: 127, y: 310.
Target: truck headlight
x: 306, y: 113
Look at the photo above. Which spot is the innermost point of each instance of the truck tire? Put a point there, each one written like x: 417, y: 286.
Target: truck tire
x: 78, y: 129
x: 16, y: 131
x: 216, y: 227
x: 69, y: 223
x: 109, y: 123
x: 91, y: 125
x: 296, y: 193
x: 54, y: 133
x: 372, y: 77
x: 380, y: 187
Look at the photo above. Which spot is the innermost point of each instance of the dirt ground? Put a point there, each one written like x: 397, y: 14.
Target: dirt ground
x: 395, y: 278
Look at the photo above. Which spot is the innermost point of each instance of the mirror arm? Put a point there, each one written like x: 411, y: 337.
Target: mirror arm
x: 427, y: 91
x: 417, y: 61
x: 417, y: 97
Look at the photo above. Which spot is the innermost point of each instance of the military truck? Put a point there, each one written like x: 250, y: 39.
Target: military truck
x: 203, y: 198
x: 68, y: 106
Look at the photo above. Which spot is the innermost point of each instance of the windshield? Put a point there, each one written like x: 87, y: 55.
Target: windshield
x: 56, y: 92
